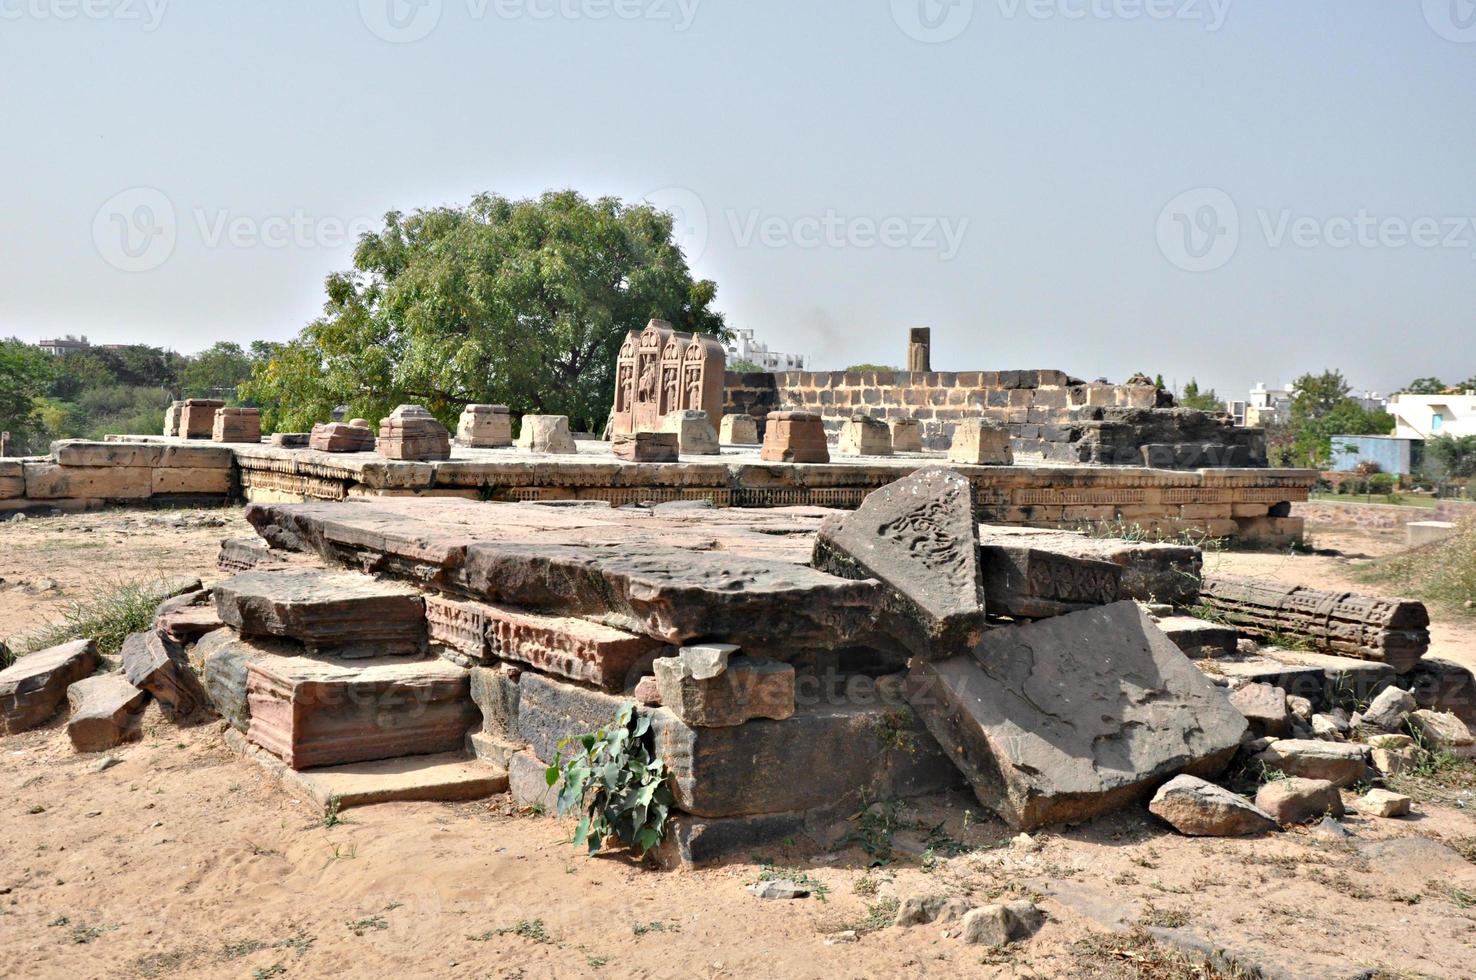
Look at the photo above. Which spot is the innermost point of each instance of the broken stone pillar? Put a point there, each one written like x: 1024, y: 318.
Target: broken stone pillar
x: 341, y: 437
x: 739, y: 430
x: 343, y: 613
x: 156, y: 664
x: 711, y: 686
x: 865, y: 436
x: 1030, y: 582
x: 172, y: 418
x: 547, y: 434
x: 106, y: 711
x: 197, y: 417
x: 795, y: 437
x: 242, y: 425
x: 1074, y: 716
x: 32, y: 688
x: 920, y: 349
x: 919, y: 538
x: 906, y: 435
x: 694, y: 432
x: 981, y: 442
x: 485, y: 427
x: 647, y: 447
x: 412, y: 433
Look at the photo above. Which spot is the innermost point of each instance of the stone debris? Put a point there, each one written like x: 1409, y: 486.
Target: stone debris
x: 739, y: 430
x: 340, y: 437
x: 863, y: 435
x: 1301, y: 708
x: 1166, y: 574
x: 1027, y: 581
x: 186, y: 618
x: 906, y: 435
x: 1444, y: 732
x: 1264, y: 707
x: 919, y: 538
x: 1296, y: 800
x: 241, y: 425
x: 1340, y: 764
x: 1071, y: 717
x: 1389, y: 710
x: 1330, y: 727
x: 999, y: 925
x: 779, y: 888
x: 1392, y: 755
x: 547, y: 434
x: 921, y: 910
x: 412, y: 433
x: 1198, y: 638
x: 1383, y: 803
x: 248, y: 554
x: 1332, y: 829
x: 795, y: 437
x: 981, y: 442
x: 106, y: 711
x: 713, y: 686
x: 329, y: 612
x: 485, y: 427
x: 1198, y: 808
x: 647, y: 447
x: 32, y: 688
x: 695, y: 434
x: 158, y: 665
x: 197, y: 417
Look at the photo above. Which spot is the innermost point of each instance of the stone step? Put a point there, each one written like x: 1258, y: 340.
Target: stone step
x: 332, y: 612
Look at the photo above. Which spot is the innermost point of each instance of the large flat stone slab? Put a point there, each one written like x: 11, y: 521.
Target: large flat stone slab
x: 920, y: 539
x: 312, y: 712
x: 32, y: 688
x: 1070, y: 717
x: 332, y: 612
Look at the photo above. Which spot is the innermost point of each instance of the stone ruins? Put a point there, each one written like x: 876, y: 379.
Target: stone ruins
x: 662, y: 371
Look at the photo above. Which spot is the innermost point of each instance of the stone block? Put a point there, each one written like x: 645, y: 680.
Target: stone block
x: 1338, y: 763
x: 1199, y: 638
x: 237, y: 425
x: 338, y: 437
x: 197, y: 417
x: 906, y: 435
x: 1443, y: 731
x: 1296, y: 800
x: 106, y: 711
x: 497, y: 694
x: 862, y: 435
x: 693, y: 843
x: 32, y: 688
x: 80, y: 452
x: 291, y: 440
x: 335, y: 612
x: 739, y: 430
x: 713, y: 686
x: 325, y: 712
x: 186, y: 618
x: 221, y: 658
x: 795, y: 437
x: 981, y: 442
x: 1383, y: 803
x: 1198, y: 808
x: 550, y: 711
x: 172, y: 418
x: 164, y: 480
x: 412, y: 433
x: 484, y: 427
x: 1045, y: 735
x: 49, y: 481
x: 12, y: 479
x: 1389, y: 710
x: 694, y: 432
x: 1027, y: 578
x: 1265, y: 708
x: 547, y: 434
x: 201, y: 456
x: 647, y: 447
x: 157, y: 664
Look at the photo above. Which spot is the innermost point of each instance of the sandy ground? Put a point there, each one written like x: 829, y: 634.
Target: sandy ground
x: 185, y: 860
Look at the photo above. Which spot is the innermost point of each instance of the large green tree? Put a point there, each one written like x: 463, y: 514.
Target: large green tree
x: 1425, y: 386
x: 523, y: 303
x: 1323, y: 408
x: 1204, y: 399
x: 1454, y: 456
x: 25, y: 373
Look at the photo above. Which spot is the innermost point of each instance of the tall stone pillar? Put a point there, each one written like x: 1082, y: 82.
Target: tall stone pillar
x: 920, y: 349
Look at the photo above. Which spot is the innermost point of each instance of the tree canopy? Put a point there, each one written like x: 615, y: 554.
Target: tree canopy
x: 1206, y: 400
x: 1323, y: 408
x: 1425, y: 386
x: 24, y: 372
x: 523, y: 303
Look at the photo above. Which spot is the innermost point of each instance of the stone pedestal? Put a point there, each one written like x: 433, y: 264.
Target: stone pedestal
x: 694, y: 433
x: 172, y: 417
x: 339, y: 437
x: 865, y: 436
x: 739, y: 430
x: 647, y: 447
x: 906, y: 436
x: 237, y: 425
x: 197, y: 417
x: 795, y: 437
x: 485, y: 427
x: 547, y: 434
x: 412, y: 433
x: 981, y: 442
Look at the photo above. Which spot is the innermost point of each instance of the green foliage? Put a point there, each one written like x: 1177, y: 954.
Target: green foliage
x: 1425, y: 386
x: 1206, y: 400
x: 1322, y: 409
x: 741, y: 366
x: 220, y: 371
x: 1454, y: 457
x: 612, y: 775
x: 24, y: 373
x: 871, y: 367
x: 110, y: 613
x: 532, y: 930
x: 523, y: 303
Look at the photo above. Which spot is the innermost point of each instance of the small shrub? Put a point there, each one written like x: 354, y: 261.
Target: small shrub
x: 108, y: 614
x: 623, y: 789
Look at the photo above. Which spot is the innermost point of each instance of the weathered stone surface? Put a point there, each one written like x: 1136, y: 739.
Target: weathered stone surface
x: 412, y: 433
x: 795, y: 437
x: 197, y: 417
x: 1198, y: 638
x: 237, y: 425
x: 1265, y: 708
x: 694, y: 432
x: 988, y: 925
x: 1199, y: 808
x: 497, y: 694
x: 547, y: 434
x: 105, y: 712
x: 648, y: 692
x: 739, y: 430
x: 326, y: 712
x: 1389, y: 709
x: 1296, y: 800
x: 1071, y: 717
x: 186, y: 618
x: 220, y: 659
x: 1030, y: 582
x: 778, y: 888
x: 661, y: 370
x: 1383, y: 803
x: 1442, y: 730
x: 713, y: 686
x: 981, y: 442
x: 49, y: 481
x: 702, y: 842
x: 193, y: 480
x: 338, y: 437
x: 1338, y: 763
x: 647, y: 447
x: 906, y: 435
x: 919, y: 538
x: 484, y: 427
x: 291, y: 440
x: 338, y: 612
x: 1330, y: 727
x: 827, y: 755
x: 921, y: 910
x: 550, y: 711
x: 863, y: 435
x: 156, y: 664
x: 84, y: 452
x: 32, y: 688
x: 1161, y: 573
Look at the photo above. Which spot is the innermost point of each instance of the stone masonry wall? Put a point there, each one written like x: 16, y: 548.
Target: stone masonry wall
x: 82, y: 475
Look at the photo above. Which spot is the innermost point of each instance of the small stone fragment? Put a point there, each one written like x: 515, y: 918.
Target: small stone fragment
x: 987, y: 926
x: 1443, y: 731
x: 1389, y: 709
x: 648, y: 692
x: 1295, y: 800
x: 779, y: 888
x: 1264, y: 706
x: 105, y: 712
x: 32, y: 688
x: 547, y: 434
x: 1332, y: 828
x: 339, y: 612
x: 920, y: 910
x: 1383, y: 803
x: 156, y: 664
x: 338, y: 437
x: 1329, y: 727
x: 1199, y: 808
x: 1300, y: 708
x: 714, y: 687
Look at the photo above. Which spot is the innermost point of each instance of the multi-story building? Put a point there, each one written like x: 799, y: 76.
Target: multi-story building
x: 1432, y: 416
x: 745, y: 348
x: 65, y: 345
x: 1266, y: 406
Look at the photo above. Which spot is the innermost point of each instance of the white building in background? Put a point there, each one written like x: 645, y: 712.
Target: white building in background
x: 1433, y: 416
x: 1265, y: 406
x: 745, y: 348
x: 64, y: 345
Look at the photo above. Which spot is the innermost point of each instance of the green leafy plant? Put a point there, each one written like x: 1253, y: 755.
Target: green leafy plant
x: 108, y: 614
x: 613, y: 775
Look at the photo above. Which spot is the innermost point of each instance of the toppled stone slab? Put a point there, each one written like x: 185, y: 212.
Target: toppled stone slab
x: 1297, y: 800
x: 32, y: 688
x: 1199, y: 808
x: 251, y: 554
x: 713, y: 686
x: 1070, y: 717
x: 155, y: 663
x: 1198, y: 638
x: 323, y: 712
x: 1029, y: 582
x: 1338, y: 763
x: 1163, y: 573
x: 336, y: 612
x: 106, y: 711
x: 647, y: 447
x: 341, y: 437
x: 919, y: 538
x: 1265, y: 708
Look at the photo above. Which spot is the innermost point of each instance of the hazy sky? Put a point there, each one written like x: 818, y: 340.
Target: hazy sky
x: 1239, y: 190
